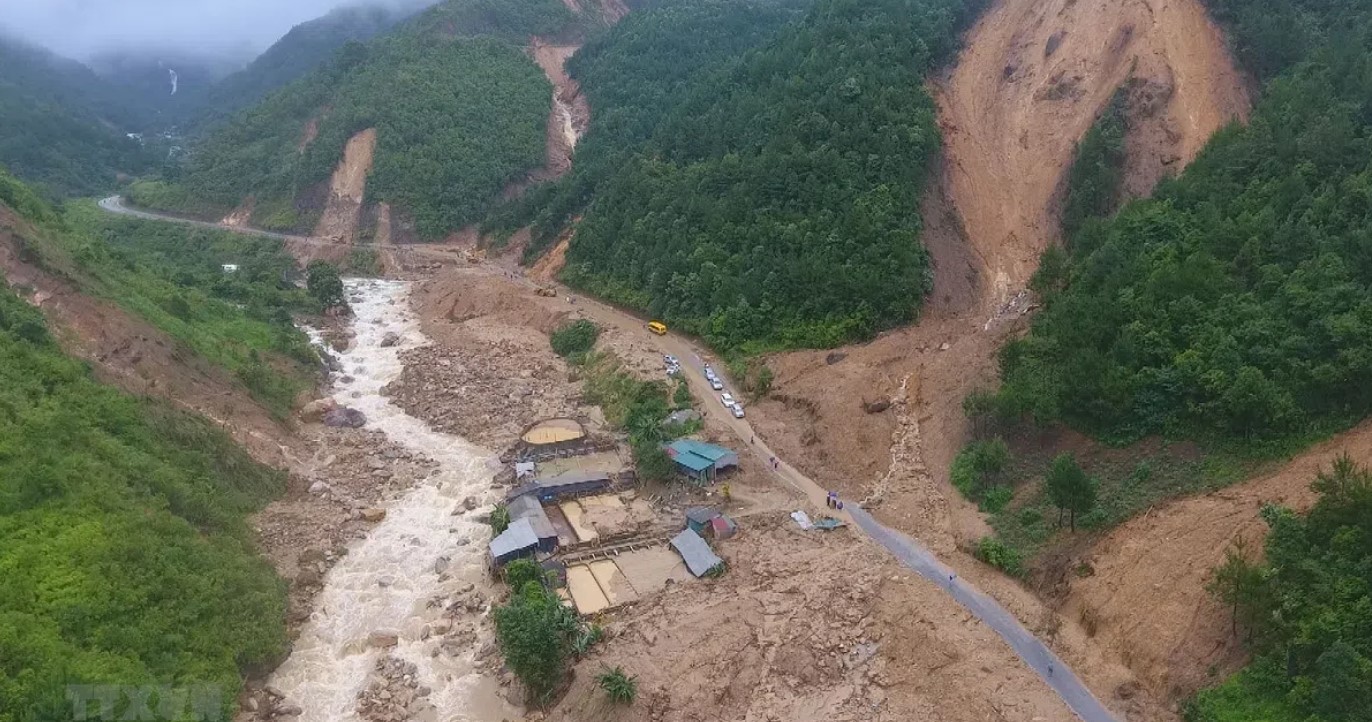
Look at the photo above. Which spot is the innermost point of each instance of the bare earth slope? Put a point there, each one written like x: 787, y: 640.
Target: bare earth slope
x: 347, y: 189
x: 1032, y: 80
x: 1162, y: 561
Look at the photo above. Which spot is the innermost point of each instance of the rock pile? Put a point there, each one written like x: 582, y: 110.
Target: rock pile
x: 394, y: 693
x: 488, y: 398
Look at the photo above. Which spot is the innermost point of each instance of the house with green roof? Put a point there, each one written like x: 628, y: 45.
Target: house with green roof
x: 700, y: 462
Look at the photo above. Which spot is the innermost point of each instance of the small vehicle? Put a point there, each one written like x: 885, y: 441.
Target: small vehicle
x: 738, y: 410
x: 671, y: 360
x: 673, y: 370
x: 727, y: 399
x: 716, y: 384
x: 658, y: 327
x: 709, y: 371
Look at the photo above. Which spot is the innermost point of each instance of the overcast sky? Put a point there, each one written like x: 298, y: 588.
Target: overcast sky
x: 82, y: 28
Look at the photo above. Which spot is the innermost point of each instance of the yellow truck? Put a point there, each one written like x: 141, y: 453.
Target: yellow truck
x: 658, y: 327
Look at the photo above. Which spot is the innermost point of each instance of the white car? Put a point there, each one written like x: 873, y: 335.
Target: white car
x: 727, y: 399
x: 738, y: 410
x: 716, y: 384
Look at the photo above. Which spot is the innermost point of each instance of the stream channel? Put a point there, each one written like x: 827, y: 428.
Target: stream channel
x: 386, y: 582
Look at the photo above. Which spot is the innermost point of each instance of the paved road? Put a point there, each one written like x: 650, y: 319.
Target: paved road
x: 910, y: 552
x: 115, y: 204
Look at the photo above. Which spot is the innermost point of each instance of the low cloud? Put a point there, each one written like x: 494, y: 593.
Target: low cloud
x: 240, y: 29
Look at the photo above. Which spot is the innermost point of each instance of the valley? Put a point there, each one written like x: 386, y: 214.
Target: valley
x: 572, y: 175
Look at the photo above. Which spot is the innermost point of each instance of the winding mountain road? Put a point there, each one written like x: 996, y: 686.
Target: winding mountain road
x: 1056, y: 674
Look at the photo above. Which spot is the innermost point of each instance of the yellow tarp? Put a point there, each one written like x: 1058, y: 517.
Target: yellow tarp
x: 612, y: 582
x: 572, y: 511
x: 585, y: 591
x: 554, y: 432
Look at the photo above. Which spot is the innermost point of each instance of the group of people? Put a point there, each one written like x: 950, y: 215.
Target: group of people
x: 833, y: 501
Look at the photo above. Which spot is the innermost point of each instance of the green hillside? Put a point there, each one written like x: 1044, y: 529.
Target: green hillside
x: 124, y: 554
x: 1237, y: 303
x: 775, y: 204
x: 306, y: 47
x: 61, y: 127
x: 459, y: 108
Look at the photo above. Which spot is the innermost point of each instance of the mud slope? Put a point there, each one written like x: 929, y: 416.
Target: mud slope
x: 1031, y: 81
x: 1162, y: 561
x: 128, y: 353
x: 347, y: 189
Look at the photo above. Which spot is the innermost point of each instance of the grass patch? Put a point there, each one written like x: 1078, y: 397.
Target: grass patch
x: 1129, y: 483
x: 172, y: 276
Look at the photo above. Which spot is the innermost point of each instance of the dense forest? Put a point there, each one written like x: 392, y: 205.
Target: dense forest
x: 1234, y: 305
x: 55, y: 118
x: 306, y: 47
x: 124, y: 555
x: 459, y: 109
x: 775, y: 203
x: 632, y: 76
x: 1305, y: 610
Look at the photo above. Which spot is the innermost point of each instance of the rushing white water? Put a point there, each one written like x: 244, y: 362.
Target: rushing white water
x: 386, y: 580
x: 564, y: 115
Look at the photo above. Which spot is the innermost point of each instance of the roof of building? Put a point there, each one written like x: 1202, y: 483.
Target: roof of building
x: 694, y: 462
x: 518, y: 537
x: 571, y: 478
x: 700, y: 448
x: 701, y: 514
x: 529, y: 508
x: 524, y: 468
x: 695, y: 552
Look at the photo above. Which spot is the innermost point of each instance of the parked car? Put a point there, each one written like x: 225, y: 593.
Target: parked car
x: 738, y: 410
x: 716, y: 384
x: 727, y: 399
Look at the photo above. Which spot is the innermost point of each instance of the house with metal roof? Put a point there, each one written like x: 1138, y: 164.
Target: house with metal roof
x: 553, y: 487
x: 519, y: 540
x: 700, y: 462
x: 699, y: 517
x: 698, y: 556
x: 529, y: 507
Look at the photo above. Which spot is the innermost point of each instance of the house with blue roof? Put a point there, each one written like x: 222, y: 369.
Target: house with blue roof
x: 700, y: 462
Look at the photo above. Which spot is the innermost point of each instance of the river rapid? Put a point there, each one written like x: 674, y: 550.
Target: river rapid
x: 388, y: 580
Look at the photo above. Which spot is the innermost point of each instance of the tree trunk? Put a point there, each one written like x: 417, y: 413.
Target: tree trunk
x: 1072, y: 515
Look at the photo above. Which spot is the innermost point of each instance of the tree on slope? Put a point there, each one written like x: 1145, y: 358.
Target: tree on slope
x: 1070, y: 489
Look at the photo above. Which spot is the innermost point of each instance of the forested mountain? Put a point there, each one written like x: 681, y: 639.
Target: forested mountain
x: 632, y: 76
x: 125, y: 557
x: 459, y: 109
x: 775, y: 204
x: 61, y: 126
x: 306, y: 47
x: 1236, y: 303
x: 1235, y: 308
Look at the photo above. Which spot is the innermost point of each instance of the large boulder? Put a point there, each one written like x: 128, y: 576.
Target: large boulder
x: 342, y: 417
x: 314, y: 411
x: 390, y: 339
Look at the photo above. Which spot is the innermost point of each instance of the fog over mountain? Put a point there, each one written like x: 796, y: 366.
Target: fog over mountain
x: 225, y: 29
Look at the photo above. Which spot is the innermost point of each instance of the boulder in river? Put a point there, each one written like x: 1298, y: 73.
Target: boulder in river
x: 390, y: 339
x: 315, y: 410
x: 383, y: 638
x: 373, y: 514
x: 343, y: 417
